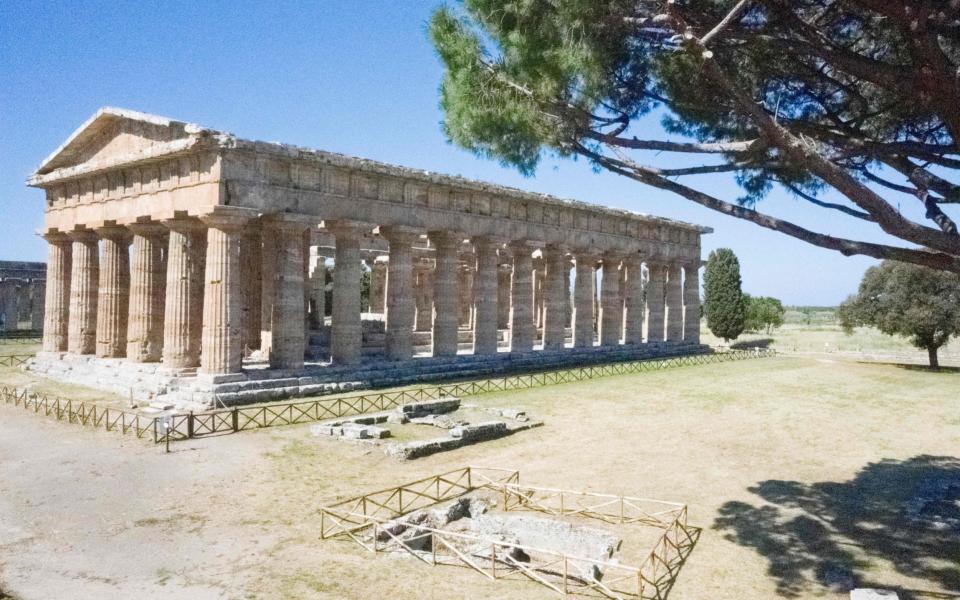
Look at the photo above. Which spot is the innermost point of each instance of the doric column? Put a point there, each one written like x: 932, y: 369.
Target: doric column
x: 583, y: 293
x: 378, y: 284
x: 84, y: 281
x: 446, y: 299
x: 611, y: 302
x: 674, y: 303
x: 183, y: 308
x: 268, y: 268
x: 346, y: 330
x: 251, y: 286
x: 222, y: 349
x: 113, y: 302
x: 318, y: 283
x: 691, y: 303
x: 424, y: 293
x: 57, y: 305
x: 655, y: 289
x: 633, y: 302
x: 465, y: 290
x: 556, y: 289
x: 538, y: 274
x: 504, y: 270
x: 521, y: 298
x: 401, y: 305
x: 147, y: 282
x: 287, y: 317
x: 486, y: 295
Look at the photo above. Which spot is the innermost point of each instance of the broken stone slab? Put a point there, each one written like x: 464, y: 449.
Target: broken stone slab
x: 322, y: 429
x: 481, y: 431
x: 439, y: 406
x: 873, y: 594
x: 440, y: 421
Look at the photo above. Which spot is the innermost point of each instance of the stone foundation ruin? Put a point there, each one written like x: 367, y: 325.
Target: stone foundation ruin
x: 444, y: 424
x: 486, y: 520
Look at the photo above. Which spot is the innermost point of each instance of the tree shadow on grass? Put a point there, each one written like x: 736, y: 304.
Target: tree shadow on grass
x: 751, y: 344
x: 823, y: 535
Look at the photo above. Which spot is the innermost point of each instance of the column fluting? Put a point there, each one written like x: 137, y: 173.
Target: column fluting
x: 655, y: 305
x: 556, y: 288
x: 611, y: 318
x: 183, y: 306
x: 583, y: 293
x: 486, y: 295
x: 424, y: 293
x: 633, y: 303
x: 673, y: 299
x: 691, y: 303
x: 288, y: 317
x: 446, y: 298
x: 147, y: 283
x: 400, y: 301
x: 56, y: 318
x: 222, y: 349
x: 251, y: 286
x: 84, y: 282
x: 346, y: 330
x: 521, y: 298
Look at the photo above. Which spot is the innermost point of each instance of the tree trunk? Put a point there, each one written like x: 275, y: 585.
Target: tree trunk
x: 934, y: 361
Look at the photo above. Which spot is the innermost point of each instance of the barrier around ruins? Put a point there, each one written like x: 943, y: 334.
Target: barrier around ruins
x: 14, y: 360
x: 82, y: 413
x: 185, y: 426
x: 371, y: 521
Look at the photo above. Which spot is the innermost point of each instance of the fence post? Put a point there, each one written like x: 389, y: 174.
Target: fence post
x: 190, y: 425
x: 235, y: 417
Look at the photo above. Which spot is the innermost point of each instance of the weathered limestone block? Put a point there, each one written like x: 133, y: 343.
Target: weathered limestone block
x: 147, y: 286
x: 84, y: 281
x: 183, y: 306
x: 57, y: 305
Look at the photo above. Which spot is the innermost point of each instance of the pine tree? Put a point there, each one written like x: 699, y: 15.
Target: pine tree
x: 723, y: 299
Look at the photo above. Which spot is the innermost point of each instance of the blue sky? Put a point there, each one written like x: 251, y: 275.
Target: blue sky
x: 351, y: 76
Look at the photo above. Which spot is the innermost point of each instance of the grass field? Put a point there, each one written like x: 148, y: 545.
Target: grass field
x: 799, y: 470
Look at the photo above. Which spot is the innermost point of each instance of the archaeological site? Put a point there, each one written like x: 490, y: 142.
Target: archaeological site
x: 192, y: 267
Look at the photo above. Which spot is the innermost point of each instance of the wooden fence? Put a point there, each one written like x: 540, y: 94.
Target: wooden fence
x: 82, y: 413
x: 186, y: 426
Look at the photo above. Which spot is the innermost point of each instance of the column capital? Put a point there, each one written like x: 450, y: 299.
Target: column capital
x: 56, y: 237
x: 116, y: 233
x: 348, y: 228
x: 291, y: 222
x: 225, y: 222
x: 83, y: 235
x: 399, y: 234
x: 147, y: 229
x: 487, y: 240
x: 445, y: 238
x: 184, y: 225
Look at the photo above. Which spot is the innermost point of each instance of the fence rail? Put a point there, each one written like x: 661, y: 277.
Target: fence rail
x: 27, y: 335
x: 82, y: 413
x: 14, y: 360
x: 186, y: 426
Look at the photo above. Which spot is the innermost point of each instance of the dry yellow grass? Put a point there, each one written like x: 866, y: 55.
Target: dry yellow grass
x: 793, y: 466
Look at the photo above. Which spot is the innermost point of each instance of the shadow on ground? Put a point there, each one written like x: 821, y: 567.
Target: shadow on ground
x: 823, y: 535
x: 751, y: 344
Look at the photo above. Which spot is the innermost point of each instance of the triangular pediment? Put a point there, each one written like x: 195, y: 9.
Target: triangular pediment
x: 115, y: 134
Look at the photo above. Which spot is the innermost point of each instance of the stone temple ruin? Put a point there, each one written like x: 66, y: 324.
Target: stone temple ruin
x: 444, y: 424
x: 188, y: 265
x: 21, y: 295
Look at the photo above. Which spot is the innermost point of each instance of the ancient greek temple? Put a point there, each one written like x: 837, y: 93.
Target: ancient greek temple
x: 187, y: 263
x: 21, y: 296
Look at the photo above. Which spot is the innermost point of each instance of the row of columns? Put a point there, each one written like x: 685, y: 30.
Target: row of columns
x: 195, y: 293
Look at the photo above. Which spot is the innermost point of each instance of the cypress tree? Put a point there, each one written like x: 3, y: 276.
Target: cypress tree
x: 723, y: 301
